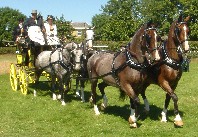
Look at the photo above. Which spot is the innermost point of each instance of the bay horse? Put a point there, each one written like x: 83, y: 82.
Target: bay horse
x: 125, y: 70
x: 167, y: 73
x: 58, y: 64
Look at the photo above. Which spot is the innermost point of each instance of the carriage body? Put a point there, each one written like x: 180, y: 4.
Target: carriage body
x: 23, y: 72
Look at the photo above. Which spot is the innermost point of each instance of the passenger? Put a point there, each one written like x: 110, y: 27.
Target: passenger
x: 18, y: 30
x: 51, y: 31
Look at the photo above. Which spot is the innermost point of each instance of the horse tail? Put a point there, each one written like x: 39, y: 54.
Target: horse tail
x: 122, y: 95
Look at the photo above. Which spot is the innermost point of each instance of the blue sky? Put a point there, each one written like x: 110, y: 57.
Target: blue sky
x: 73, y: 10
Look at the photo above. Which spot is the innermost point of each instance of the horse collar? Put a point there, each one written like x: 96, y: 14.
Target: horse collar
x: 132, y: 64
x: 168, y: 61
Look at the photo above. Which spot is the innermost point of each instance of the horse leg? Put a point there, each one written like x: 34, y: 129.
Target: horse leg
x: 170, y: 94
x: 134, y: 112
x: 101, y: 87
x: 82, y: 84
x: 93, y: 96
x: 62, y: 92
x: 37, y: 76
x: 53, y: 87
x: 134, y: 103
x: 77, y: 86
x: 164, y: 111
x: 146, y: 103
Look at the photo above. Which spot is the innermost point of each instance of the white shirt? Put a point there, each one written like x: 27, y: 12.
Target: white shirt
x: 52, y: 38
x: 47, y: 27
x: 89, y: 34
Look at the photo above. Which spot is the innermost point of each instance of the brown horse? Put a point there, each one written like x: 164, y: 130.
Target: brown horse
x: 125, y: 70
x: 168, y: 72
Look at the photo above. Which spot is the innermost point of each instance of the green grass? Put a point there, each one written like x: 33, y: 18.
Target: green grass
x: 42, y: 117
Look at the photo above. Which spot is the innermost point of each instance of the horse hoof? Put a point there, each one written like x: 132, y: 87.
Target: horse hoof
x: 103, y: 106
x: 132, y: 124
x: 91, y: 100
x: 178, y: 123
x: 146, y: 111
x: 83, y: 101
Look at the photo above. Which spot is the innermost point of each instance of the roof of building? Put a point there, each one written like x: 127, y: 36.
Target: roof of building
x: 80, y: 25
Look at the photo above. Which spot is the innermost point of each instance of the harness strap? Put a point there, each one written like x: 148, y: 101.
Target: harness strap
x: 168, y: 61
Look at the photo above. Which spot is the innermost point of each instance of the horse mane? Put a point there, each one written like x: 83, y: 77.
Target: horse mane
x: 137, y: 37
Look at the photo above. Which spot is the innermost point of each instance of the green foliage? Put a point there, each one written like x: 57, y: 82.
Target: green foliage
x: 64, y: 29
x: 120, y: 19
x: 8, y: 20
x: 7, y: 50
x: 193, y: 49
x: 117, y: 22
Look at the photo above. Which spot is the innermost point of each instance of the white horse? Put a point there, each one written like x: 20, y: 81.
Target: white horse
x: 58, y: 64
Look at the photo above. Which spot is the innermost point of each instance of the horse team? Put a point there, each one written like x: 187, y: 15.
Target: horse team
x: 132, y: 70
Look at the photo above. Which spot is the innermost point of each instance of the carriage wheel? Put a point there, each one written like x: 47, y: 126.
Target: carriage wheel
x: 13, y: 77
x: 23, y: 82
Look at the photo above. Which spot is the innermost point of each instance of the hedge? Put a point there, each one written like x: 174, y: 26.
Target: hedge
x: 112, y: 46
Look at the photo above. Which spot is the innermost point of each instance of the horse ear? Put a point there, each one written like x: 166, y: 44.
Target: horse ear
x: 149, y: 23
x: 187, y: 19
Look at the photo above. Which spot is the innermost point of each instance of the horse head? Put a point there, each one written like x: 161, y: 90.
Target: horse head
x: 181, y: 31
x: 77, y: 53
x: 149, y: 42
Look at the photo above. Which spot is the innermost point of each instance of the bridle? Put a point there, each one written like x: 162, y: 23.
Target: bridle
x: 170, y: 62
x: 147, y: 38
x: 177, y: 31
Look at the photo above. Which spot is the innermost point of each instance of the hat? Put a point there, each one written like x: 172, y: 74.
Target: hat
x: 20, y: 19
x: 50, y: 17
x: 34, y: 11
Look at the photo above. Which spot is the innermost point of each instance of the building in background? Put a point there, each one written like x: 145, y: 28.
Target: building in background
x: 80, y: 28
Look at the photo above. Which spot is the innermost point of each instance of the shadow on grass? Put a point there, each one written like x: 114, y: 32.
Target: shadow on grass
x: 154, y: 113
x: 43, y: 88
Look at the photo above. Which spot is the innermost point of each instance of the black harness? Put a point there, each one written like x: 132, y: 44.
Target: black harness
x: 60, y: 61
x: 167, y: 60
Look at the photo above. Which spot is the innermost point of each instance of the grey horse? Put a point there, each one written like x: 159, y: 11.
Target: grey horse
x: 58, y: 64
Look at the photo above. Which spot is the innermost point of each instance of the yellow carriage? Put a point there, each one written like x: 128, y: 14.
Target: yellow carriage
x: 23, y: 72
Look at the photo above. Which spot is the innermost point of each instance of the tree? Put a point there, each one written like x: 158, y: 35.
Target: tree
x: 65, y: 29
x: 117, y: 22
x: 8, y: 20
x: 120, y: 19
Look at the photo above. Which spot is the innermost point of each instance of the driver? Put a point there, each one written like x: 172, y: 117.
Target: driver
x: 34, y: 21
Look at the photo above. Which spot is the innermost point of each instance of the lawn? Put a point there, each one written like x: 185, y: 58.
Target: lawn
x: 40, y: 116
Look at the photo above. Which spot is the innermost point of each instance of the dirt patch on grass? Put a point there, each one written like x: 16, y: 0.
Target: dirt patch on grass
x: 5, y: 61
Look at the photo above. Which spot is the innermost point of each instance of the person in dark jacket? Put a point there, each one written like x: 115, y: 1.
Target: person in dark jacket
x: 34, y: 21
x: 18, y: 30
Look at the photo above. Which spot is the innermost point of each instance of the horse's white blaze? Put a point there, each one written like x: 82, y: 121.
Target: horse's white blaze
x: 186, y: 45
x: 157, y: 57
x: 177, y: 118
x: 164, y: 115
x: 146, y: 104
x: 96, y: 110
